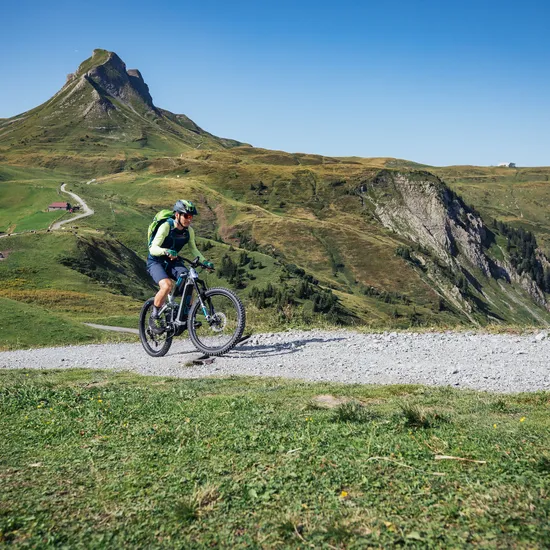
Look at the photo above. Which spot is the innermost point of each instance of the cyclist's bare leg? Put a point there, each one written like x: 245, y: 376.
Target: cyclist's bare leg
x: 165, y: 289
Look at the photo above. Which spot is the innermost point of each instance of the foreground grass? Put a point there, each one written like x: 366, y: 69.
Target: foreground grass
x: 90, y: 459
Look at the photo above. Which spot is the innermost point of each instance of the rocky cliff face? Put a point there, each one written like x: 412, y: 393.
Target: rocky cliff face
x: 420, y: 207
x: 111, y: 78
x: 138, y: 84
x: 423, y: 209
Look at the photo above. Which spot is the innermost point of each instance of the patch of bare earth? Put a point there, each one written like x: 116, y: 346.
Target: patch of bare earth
x: 330, y: 401
x: 327, y: 401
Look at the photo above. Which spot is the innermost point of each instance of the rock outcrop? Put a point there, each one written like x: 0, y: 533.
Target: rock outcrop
x: 111, y: 78
x: 419, y: 207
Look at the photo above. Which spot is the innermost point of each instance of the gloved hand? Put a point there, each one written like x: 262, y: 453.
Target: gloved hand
x: 171, y: 253
x: 209, y: 265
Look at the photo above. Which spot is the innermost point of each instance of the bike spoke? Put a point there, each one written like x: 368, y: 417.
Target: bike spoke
x: 220, y: 326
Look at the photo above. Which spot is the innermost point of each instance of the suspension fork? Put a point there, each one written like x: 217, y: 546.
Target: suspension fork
x: 200, y: 289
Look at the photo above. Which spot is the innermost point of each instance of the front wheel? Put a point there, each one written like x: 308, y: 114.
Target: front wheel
x: 156, y: 345
x: 218, y: 329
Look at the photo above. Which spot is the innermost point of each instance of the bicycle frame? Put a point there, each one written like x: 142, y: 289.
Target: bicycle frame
x: 191, y: 283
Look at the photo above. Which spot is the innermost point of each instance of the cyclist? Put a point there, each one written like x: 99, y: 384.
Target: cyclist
x: 163, y: 263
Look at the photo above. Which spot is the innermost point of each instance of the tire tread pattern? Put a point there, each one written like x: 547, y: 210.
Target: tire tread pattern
x: 143, y: 337
x: 240, y: 327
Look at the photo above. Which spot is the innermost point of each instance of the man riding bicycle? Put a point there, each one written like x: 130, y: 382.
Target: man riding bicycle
x: 163, y: 263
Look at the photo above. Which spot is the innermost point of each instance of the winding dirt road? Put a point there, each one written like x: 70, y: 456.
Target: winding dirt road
x: 86, y: 210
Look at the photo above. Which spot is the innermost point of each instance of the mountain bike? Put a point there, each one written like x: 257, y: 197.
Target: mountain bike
x: 215, y: 319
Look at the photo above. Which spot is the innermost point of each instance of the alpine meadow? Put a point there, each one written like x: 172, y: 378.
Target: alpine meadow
x: 305, y: 240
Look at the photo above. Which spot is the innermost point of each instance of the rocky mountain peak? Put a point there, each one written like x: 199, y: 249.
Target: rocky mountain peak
x: 102, y: 102
x: 107, y: 73
x: 140, y: 86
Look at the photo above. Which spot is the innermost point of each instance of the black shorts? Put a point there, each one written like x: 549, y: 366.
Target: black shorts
x: 165, y: 269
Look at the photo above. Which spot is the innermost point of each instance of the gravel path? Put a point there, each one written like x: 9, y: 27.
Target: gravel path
x: 501, y: 363
x: 113, y: 329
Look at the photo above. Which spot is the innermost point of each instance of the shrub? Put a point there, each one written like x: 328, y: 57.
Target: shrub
x: 353, y: 411
x: 418, y: 417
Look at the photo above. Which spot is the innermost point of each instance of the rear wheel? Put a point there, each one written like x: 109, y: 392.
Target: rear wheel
x: 221, y: 328
x: 156, y: 345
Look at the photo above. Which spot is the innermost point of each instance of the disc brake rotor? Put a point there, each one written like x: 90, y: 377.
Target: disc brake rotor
x: 218, y: 322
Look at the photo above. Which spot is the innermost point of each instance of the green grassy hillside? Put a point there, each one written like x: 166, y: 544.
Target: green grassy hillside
x: 41, y: 270
x: 304, y: 231
x: 25, y: 194
x: 305, y: 239
x: 43, y: 323
x: 294, y: 235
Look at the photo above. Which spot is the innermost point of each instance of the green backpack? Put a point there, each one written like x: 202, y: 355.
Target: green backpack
x: 158, y: 220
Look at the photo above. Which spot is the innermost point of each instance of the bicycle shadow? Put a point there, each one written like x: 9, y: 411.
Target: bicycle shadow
x: 247, y: 350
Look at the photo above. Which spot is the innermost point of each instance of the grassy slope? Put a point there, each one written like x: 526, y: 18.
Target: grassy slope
x: 25, y: 194
x: 30, y: 326
x: 37, y: 272
x: 298, y: 232
x: 304, y: 214
x: 33, y: 275
x: 92, y: 459
x: 519, y: 197
x: 125, y: 203
x: 309, y: 216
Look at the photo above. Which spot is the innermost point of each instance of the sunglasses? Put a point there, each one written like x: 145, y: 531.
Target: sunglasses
x: 188, y: 216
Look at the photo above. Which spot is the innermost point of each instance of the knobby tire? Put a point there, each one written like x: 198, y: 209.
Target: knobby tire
x: 237, y: 333
x: 144, y: 336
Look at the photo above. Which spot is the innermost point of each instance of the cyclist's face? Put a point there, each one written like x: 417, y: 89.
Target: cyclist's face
x: 185, y: 219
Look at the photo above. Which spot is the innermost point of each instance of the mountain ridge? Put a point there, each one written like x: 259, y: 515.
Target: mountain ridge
x: 99, y: 105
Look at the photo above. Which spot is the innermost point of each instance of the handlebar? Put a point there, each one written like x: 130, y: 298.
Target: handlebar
x: 197, y: 263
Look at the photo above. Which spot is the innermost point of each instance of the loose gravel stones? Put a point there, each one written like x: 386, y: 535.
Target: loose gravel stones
x: 501, y: 363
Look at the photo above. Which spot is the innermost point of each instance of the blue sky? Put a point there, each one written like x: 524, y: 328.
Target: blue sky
x: 435, y: 82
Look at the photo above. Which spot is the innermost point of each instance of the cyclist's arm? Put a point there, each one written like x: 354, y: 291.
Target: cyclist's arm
x: 155, y: 248
x: 193, y: 246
